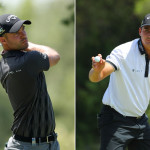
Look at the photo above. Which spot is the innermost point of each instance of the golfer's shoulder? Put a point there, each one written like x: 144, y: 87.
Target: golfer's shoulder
x: 126, y: 47
x: 32, y: 54
x: 35, y: 56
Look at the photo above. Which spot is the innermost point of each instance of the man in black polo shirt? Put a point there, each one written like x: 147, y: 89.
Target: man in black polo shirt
x: 21, y: 75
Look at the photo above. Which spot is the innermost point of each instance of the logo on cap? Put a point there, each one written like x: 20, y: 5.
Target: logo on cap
x: 1, y: 30
x: 11, y: 17
x: 148, y: 17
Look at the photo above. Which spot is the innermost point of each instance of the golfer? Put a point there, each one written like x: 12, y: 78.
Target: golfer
x: 122, y: 121
x: 21, y: 75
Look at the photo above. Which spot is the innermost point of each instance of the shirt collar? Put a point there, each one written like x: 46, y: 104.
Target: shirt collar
x: 141, y: 47
x: 142, y: 51
x: 11, y: 53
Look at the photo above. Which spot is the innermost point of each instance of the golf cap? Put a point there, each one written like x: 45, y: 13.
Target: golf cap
x: 146, y: 21
x: 10, y: 23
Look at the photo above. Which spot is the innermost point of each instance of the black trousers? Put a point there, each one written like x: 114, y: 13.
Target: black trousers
x: 118, y: 132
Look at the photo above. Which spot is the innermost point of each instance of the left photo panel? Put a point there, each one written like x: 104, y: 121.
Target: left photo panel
x: 37, y: 74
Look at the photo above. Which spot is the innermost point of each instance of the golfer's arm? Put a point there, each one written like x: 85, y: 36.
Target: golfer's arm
x: 53, y: 56
x: 95, y: 76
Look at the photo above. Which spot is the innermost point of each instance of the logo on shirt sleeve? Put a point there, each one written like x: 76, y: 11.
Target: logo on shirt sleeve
x: 44, y: 55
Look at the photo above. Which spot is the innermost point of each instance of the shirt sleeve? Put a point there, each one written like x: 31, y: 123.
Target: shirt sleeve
x: 37, y: 61
x: 115, y: 58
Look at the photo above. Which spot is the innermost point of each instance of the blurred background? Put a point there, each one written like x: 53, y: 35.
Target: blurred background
x: 100, y: 27
x: 52, y: 25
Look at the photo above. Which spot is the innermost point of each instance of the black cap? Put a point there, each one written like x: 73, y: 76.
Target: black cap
x: 146, y: 21
x: 10, y: 23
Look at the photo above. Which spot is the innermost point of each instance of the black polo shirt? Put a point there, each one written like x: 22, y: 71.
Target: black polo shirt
x: 21, y: 74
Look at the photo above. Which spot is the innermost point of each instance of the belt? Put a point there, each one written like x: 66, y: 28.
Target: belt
x: 108, y: 108
x: 48, y: 139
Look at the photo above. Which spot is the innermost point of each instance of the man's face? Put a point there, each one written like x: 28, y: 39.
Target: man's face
x: 144, y: 32
x: 16, y: 41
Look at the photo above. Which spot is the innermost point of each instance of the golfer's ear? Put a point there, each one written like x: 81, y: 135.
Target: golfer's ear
x: 2, y: 40
x: 140, y: 30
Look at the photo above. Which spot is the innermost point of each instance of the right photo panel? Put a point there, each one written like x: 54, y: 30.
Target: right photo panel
x: 112, y: 75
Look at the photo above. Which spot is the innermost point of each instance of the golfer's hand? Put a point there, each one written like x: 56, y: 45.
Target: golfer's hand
x: 98, y: 66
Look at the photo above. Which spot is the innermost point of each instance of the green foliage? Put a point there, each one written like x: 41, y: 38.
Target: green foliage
x: 69, y: 20
x: 142, y: 7
x: 47, y: 29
